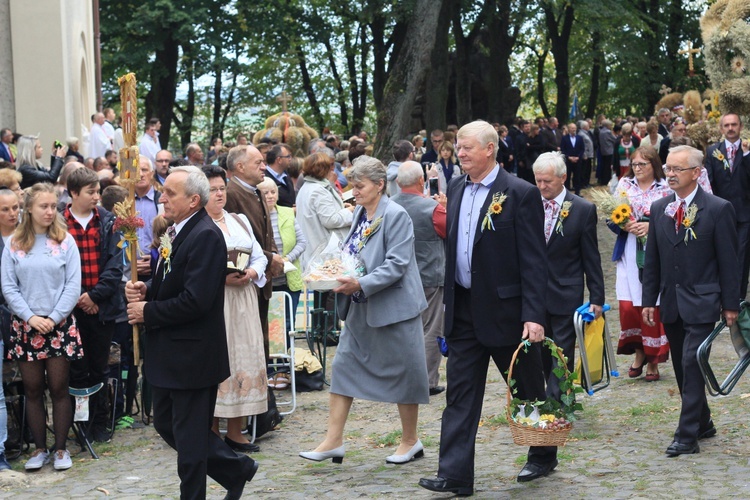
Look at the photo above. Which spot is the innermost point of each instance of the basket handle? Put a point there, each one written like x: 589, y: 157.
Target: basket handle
x: 545, y: 341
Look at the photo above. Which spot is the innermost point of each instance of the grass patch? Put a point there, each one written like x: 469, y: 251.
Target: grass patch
x: 647, y: 409
x: 494, y: 420
x: 393, y: 438
x: 641, y: 484
x: 429, y: 441
x: 353, y: 434
x: 584, y: 435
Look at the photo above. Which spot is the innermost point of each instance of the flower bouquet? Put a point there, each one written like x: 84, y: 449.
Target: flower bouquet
x: 543, y: 423
x: 616, y: 206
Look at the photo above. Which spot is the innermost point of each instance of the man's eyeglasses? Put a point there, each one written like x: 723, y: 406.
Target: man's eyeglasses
x: 219, y: 189
x: 639, y: 165
x: 668, y: 169
x: 284, y: 156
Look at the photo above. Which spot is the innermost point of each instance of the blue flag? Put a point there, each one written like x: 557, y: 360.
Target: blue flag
x: 574, y: 111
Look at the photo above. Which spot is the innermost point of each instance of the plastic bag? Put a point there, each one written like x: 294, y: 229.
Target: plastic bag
x: 328, y: 263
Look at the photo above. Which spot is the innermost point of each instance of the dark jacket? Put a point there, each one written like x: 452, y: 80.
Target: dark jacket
x: 187, y: 340
x: 32, y: 175
x: 106, y: 294
x: 732, y: 184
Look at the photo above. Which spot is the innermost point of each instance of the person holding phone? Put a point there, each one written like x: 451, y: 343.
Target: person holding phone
x: 445, y: 168
x: 27, y: 162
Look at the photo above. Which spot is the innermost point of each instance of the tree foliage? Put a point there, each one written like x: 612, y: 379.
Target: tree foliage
x: 214, y: 67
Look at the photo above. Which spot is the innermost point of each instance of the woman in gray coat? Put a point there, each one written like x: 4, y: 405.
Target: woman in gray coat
x: 381, y: 350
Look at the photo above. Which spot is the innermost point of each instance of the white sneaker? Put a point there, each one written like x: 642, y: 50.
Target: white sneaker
x: 62, y: 460
x: 38, y: 459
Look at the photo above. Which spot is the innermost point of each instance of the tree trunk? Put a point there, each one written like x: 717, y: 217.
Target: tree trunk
x: 652, y: 41
x: 406, y: 76
x: 161, y: 98
x: 438, y: 74
x: 351, y: 66
x: 596, y: 70
x: 216, y: 118
x: 502, y: 99
x: 540, y: 95
x: 308, y: 88
x: 379, y: 52
x: 560, y: 37
x: 462, y: 60
x: 359, y: 116
x: 343, y: 109
x: 673, y: 38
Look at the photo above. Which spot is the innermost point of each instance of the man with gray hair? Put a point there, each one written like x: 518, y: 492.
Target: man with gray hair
x: 692, y: 269
x: 665, y: 117
x: 247, y: 167
x: 183, y: 310
x: 402, y: 151
x: 495, y: 287
x: 428, y: 218
x: 572, y: 252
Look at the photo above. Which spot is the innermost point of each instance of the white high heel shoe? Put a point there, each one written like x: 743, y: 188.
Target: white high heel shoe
x: 336, y: 455
x: 417, y: 451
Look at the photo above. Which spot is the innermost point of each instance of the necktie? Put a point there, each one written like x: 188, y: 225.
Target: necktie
x: 172, y: 233
x: 731, y: 154
x: 549, y: 216
x: 678, y: 216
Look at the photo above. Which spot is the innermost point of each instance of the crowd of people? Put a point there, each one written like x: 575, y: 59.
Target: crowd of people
x: 428, y: 229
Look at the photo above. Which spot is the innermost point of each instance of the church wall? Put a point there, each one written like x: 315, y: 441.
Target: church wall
x: 7, y: 107
x: 53, y: 68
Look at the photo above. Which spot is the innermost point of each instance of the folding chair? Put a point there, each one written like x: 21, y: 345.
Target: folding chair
x: 597, y: 357
x: 281, y: 344
x: 80, y: 428
x: 739, y: 334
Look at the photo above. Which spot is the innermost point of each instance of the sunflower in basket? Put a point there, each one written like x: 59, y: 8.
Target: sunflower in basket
x: 548, y: 422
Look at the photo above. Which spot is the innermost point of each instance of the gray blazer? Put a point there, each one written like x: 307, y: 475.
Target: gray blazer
x: 391, y: 282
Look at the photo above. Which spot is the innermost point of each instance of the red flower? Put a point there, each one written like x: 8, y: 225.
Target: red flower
x: 38, y: 341
x: 70, y: 349
x: 55, y: 343
x: 73, y: 331
x: 130, y: 223
x: 19, y: 350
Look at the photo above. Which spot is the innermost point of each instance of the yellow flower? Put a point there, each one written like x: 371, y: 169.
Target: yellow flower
x: 718, y: 155
x: 366, y: 232
x: 496, y: 208
x: 624, y: 210
x: 564, y: 213
x: 687, y: 222
x: 617, y: 217
x: 164, y: 252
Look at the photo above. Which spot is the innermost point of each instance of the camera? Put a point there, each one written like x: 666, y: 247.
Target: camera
x: 57, y: 145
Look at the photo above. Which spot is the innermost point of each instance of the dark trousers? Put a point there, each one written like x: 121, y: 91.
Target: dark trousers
x: 586, y: 167
x: 604, y: 170
x: 467, y: 365
x: 684, y: 340
x: 93, y: 367
x: 263, y: 312
x: 183, y: 419
x: 743, y: 255
x: 564, y: 335
x: 574, y: 176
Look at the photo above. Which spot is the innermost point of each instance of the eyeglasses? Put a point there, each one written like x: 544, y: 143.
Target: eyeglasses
x: 220, y: 189
x: 284, y: 156
x: 667, y: 169
x: 639, y: 165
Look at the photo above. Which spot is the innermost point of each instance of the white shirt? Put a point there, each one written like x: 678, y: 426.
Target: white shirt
x: 149, y: 146
x: 99, y: 141
x: 109, y: 130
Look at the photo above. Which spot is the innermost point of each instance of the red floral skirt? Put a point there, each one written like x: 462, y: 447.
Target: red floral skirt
x: 634, y: 334
x: 28, y: 344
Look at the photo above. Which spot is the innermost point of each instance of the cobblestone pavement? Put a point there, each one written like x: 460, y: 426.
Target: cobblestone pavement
x: 616, y: 449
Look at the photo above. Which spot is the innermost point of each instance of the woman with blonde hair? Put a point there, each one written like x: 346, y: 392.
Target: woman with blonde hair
x: 27, y: 162
x: 41, y: 283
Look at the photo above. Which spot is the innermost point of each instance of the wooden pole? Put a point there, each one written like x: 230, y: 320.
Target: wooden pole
x: 129, y: 176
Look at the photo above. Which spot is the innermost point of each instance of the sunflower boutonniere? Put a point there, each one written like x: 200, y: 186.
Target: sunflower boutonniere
x: 165, y: 252
x: 720, y: 156
x: 564, y: 212
x: 374, y: 226
x: 688, y: 221
x: 495, y: 208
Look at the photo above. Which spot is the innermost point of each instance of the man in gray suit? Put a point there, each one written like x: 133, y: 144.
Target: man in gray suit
x: 691, y: 263
x: 428, y: 217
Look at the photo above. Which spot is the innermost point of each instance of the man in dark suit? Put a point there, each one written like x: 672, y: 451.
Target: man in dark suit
x: 664, y: 116
x: 489, y: 308
x: 729, y: 171
x: 572, y: 251
x: 691, y: 263
x: 573, y: 148
x: 278, y: 159
x: 183, y: 309
x: 6, y: 136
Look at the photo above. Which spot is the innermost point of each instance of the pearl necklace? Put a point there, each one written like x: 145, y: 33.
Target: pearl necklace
x: 218, y: 221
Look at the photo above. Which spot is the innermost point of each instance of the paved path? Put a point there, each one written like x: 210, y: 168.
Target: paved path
x: 616, y: 450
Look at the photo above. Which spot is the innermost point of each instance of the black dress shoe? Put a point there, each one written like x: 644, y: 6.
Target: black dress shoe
x: 235, y: 492
x: 443, y: 485
x: 436, y: 390
x: 533, y: 471
x: 682, y: 449
x: 242, y: 447
x: 708, y: 432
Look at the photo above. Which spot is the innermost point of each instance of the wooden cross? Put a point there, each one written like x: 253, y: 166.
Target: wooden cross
x: 284, y: 98
x: 690, y: 51
x: 665, y: 90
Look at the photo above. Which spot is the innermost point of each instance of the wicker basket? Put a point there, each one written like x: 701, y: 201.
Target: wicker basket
x: 526, y: 435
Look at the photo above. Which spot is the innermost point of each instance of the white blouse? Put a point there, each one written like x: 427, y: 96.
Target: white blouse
x: 238, y: 237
